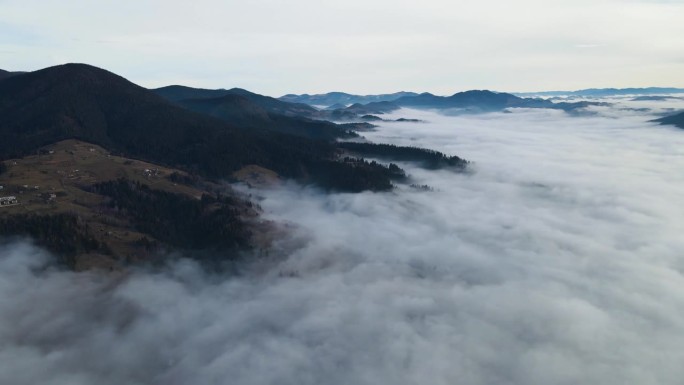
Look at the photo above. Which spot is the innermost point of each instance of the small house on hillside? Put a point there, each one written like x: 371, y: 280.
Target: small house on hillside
x: 8, y: 201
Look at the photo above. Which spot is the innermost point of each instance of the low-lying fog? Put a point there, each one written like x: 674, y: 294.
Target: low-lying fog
x: 557, y: 260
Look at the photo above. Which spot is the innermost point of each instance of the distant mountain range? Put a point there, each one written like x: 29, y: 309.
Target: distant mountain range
x: 473, y: 101
x: 601, y: 92
x: 476, y: 100
x: 339, y: 100
x: 343, y: 99
x: 245, y: 108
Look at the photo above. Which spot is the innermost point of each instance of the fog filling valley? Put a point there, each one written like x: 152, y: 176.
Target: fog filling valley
x: 557, y: 259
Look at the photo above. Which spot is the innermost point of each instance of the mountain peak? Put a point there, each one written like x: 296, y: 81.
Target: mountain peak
x: 476, y: 92
x: 70, y: 75
x: 240, y: 91
x: 76, y: 68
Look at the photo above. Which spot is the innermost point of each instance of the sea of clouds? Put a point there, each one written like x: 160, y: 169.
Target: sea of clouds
x: 557, y: 259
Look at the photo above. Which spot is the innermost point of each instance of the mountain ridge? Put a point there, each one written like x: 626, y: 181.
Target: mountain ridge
x: 179, y: 94
x: 245, y: 112
x: 471, y: 101
x: 343, y: 98
x: 78, y: 101
x: 606, y: 92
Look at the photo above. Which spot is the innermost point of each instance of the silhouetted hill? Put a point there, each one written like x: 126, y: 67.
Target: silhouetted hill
x: 7, y: 74
x: 81, y: 101
x: 250, y: 110
x: 358, y: 110
x: 373, y: 108
x: 255, y: 111
x: 336, y: 106
x: 275, y: 106
x: 482, y: 100
x: 179, y: 94
x: 91, y: 104
x: 677, y: 120
x: 343, y: 99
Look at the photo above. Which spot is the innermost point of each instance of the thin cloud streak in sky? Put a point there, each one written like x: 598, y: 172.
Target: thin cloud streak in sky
x: 557, y: 260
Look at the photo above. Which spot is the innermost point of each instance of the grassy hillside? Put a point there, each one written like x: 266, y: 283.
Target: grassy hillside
x: 97, y: 209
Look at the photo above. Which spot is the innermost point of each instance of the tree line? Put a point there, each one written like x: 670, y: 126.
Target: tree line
x: 212, y: 222
x: 64, y: 234
x: 429, y: 159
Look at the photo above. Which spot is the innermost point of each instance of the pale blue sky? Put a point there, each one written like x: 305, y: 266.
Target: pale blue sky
x: 362, y: 46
